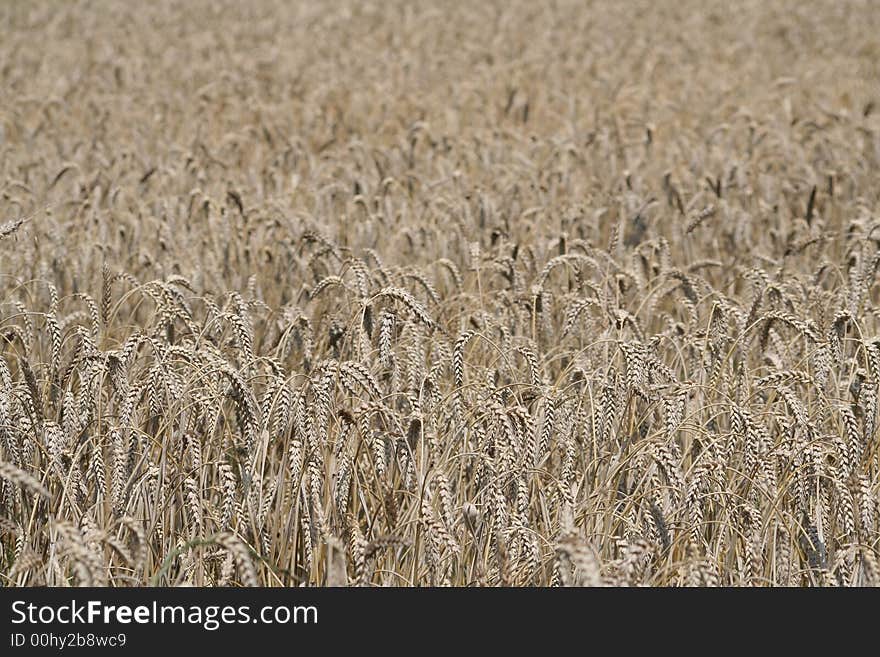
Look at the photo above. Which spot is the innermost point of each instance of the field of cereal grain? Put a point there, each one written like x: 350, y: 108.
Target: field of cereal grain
x: 439, y: 293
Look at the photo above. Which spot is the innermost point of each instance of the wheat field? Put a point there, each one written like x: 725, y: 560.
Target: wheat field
x: 439, y: 293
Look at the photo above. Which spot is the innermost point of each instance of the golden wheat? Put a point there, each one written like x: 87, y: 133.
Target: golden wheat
x: 423, y: 293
